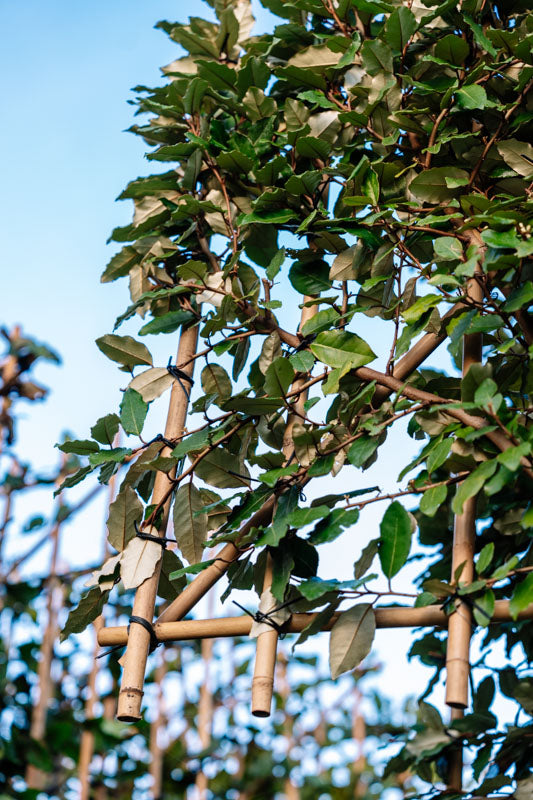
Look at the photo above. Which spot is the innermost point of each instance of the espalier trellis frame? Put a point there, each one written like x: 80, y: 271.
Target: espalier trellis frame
x: 381, y: 150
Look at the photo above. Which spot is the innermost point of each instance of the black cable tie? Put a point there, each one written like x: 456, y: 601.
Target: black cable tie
x: 180, y: 375
x: 261, y: 616
x: 161, y: 438
x: 111, y: 650
x: 154, y: 641
x: 149, y: 537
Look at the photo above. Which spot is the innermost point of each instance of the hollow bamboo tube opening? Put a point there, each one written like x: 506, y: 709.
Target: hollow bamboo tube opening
x: 131, y: 691
x: 460, y: 625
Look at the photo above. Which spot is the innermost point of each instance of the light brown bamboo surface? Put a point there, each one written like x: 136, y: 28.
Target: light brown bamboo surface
x: 156, y: 728
x: 464, y: 542
x: 265, y: 661
x: 87, y: 736
x: 229, y: 627
x: 267, y: 642
x: 131, y: 691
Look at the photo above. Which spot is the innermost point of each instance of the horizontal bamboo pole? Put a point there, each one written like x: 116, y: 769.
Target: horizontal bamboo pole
x: 228, y: 627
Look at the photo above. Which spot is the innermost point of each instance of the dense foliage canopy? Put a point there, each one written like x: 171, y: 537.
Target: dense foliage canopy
x: 369, y: 162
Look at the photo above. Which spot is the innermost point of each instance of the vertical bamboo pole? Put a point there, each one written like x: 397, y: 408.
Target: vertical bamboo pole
x: 156, y: 728
x: 460, y: 622
x: 267, y: 642
x: 36, y: 778
x: 87, y: 737
x: 290, y: 789
x: 359, y: 736
x: 205, y: 707
x: 131, y: 691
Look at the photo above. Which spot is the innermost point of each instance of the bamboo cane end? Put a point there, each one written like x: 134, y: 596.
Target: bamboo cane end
x: 129, y: 704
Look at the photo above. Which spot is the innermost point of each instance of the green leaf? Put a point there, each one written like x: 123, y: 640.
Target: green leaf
x: 215, y: 380
x: 432, y: 499
x: 124, y: 512
x: 314, y: 588
x: 124, y: 349
x: 447, y: 248
x: 351, y: 638
x: 311, y: 147
x: 472, y: 96
x: 420, y: 306
x: 192, y: 99
x: 218, y: 76
x: 377, y: 56
x: 105, y: 429
x: 190, y: 522
x: 483, y: 608
x: 305, y: 516
x: 361, y: 450
x: 151, y: 383
x: 217, y: 470
x: 133, y: 411
x: 272, y: 476
x: 235, y: 161
x: 395, y: 539
x: 430, y: 186
x: 364, y: 562
x: 89, y: 608
x: 81, y: 447
x: 167, y: 323
x: 522, y: 596
x: 275, y: 264
x: 169, y: 589
x: 114, y: 455
x: 279, y: 377
x: 342, y: 349
x: 453, y: 49
x: 310, y: 278
x: 254, y: 406
x: 73, y: 480
x: 521, y: 297
x: 518, y: 156
x: 120, y: 264
x: 472, y: 485
x: 302, y: 361
x: 438, y: 455
x: 485, y: 558
x: 333, y: 525
x: 399, y: 28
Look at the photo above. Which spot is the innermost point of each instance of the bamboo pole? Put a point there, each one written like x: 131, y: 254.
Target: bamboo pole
x: 463, y: 550
x: 267, y: 641
x: 265, y: 660
x: 229, y: 627
x: 131, y: 691
x: 87, y: 736
x: 359, y: 737
x: 36, y: 778
x: 290, y: 789
x: 156, y: 728
x: 460, y: 624
x: 205, y: 709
